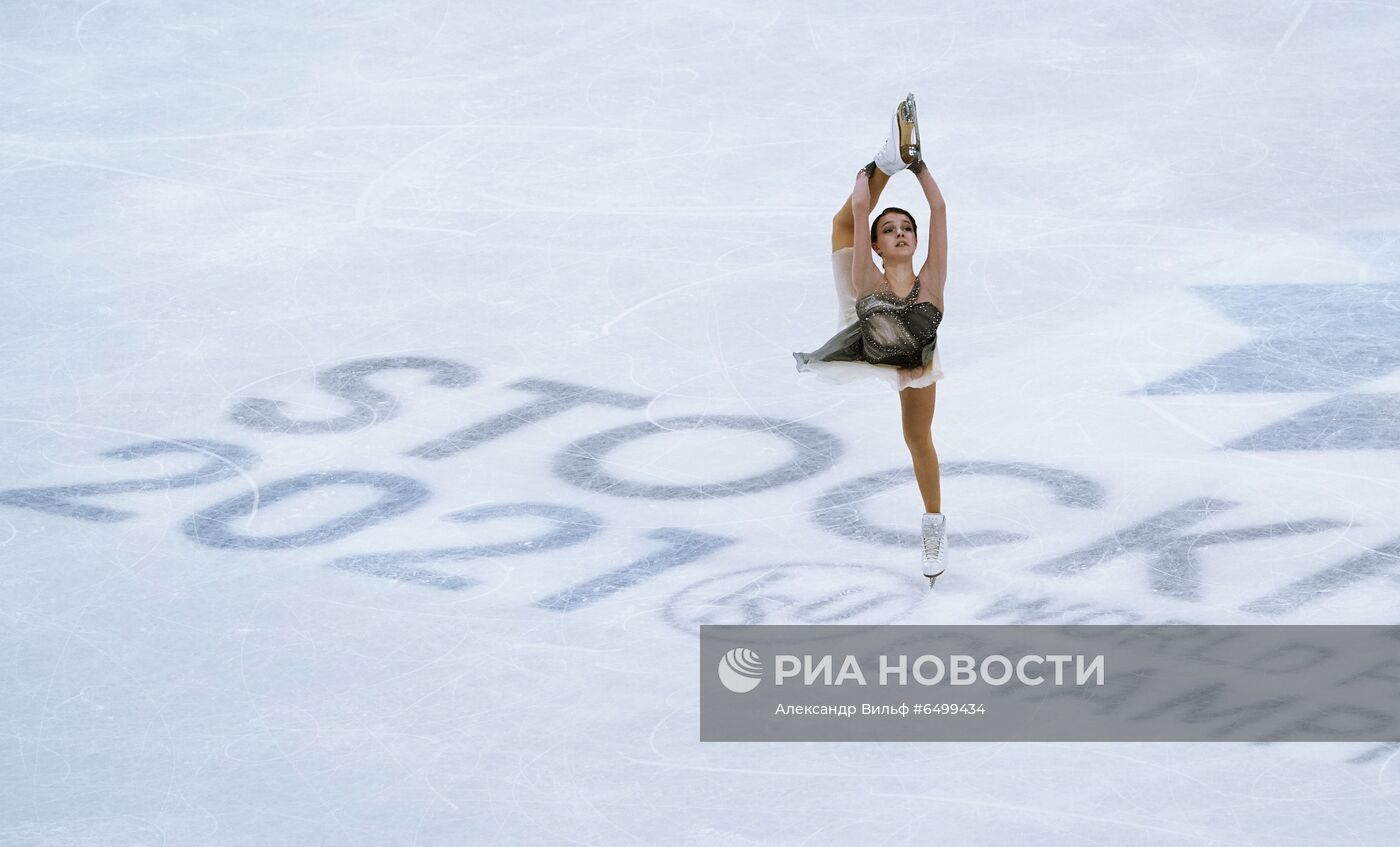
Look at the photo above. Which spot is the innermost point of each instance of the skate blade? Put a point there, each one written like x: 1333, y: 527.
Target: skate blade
x: 933, y: 579
x: 910, y: 142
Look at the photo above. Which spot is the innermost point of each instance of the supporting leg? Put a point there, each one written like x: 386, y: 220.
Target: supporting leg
x: 916, y: 409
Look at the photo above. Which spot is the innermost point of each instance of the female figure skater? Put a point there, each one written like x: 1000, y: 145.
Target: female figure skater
x: 890, y: 318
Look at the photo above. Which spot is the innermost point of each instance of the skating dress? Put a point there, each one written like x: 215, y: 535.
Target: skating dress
x: 882, y: 335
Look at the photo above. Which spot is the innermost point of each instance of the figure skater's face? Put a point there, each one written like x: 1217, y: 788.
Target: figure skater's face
x: 895, y: 236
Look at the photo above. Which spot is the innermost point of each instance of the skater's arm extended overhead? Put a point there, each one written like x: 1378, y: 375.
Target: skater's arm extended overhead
x: 935, y: 269
x: 864, y: 275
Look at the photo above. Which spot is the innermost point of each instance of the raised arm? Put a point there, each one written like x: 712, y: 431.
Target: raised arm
x: 935, y: 269
x: 865, y: 276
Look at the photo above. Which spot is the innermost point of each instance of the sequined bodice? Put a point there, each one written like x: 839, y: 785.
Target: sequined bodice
x: 895, y: 330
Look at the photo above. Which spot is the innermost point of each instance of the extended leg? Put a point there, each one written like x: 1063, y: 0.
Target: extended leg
x: 843, y: 225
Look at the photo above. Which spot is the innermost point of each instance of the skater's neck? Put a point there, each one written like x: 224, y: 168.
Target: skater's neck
x: 900, y: 275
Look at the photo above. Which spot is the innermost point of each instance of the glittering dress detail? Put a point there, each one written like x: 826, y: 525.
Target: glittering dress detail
x: 901, y: 332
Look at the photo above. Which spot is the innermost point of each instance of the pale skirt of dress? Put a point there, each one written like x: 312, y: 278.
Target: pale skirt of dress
x: 843, y: 372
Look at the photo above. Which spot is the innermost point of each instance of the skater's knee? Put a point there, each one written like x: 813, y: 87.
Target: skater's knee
x: 841, y: 238
x: 844, y: 219
x: 918, y: 439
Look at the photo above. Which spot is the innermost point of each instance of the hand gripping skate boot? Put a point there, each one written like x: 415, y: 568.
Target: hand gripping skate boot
x: 935, y: 546
x: 901, y: 148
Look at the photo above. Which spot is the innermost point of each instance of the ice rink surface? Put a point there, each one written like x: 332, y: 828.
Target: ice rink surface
x: 391, y: 390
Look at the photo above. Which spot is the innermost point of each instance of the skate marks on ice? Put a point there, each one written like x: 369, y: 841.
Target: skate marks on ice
x: 223, y: 461
x: 794, y: 593
x: 1168, y: 543
x: 1309, y: 338
x: 1352, y: 421
x: 840, y: 512
x: 799, y: 452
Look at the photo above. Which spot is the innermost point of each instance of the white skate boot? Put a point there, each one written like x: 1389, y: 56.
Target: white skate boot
x: 902, y: 147
x: 935, y: 545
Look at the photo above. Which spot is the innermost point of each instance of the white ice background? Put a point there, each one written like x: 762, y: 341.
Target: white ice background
x: 1174, y: 289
